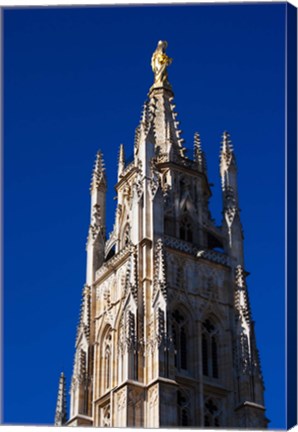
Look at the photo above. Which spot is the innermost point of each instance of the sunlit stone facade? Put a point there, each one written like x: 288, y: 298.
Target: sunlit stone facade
x: 165, y: 337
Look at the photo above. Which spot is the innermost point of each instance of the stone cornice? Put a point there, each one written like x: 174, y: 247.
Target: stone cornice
x: 205, y: 254
x: 248, y: 404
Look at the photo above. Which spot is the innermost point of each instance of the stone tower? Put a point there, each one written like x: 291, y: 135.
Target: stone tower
x: 166, y: 337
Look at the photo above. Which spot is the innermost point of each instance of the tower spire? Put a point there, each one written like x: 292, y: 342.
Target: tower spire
x: 227, y: 163
x: 97, y: 227
x: 61, y: 414
x: 231, y: 222
x: 158, y: 113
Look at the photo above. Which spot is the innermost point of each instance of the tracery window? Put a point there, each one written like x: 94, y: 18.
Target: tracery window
x: 183, y: 409
x: 211, y: 414
x: 180, y: 334
x: 209, y: 349
x: 185, y: 229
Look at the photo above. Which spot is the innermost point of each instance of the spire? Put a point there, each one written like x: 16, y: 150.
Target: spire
x: 61, y: 414
x: 231, y: 212
x: 121, y: 160
x: 199, y: 155
x: 98, y: 175
x: 228, y: 172
x: 84, y: 321
x: 159, y: 116
x: 227, y: 158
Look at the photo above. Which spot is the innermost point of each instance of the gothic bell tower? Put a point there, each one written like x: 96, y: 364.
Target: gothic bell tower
x: 166, y: 336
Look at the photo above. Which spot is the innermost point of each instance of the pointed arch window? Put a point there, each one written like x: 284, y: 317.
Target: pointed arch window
x: 183, y: 404
x: 132, y: 348
x: 107, y: 357
x: 180, y: 335
x: 185, y: 229
x: 211, y: 414
x: 209, y: 349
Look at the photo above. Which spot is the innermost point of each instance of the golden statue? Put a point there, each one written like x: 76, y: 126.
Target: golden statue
x: 159, y: 63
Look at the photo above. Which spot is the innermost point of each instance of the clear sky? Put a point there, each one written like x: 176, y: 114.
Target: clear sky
x: 75, y: 80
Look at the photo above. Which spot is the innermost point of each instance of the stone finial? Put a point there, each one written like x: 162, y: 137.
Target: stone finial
x: 84, y: 320
x: 61, y: 414
x: 121, y: 160
x: 228, y: 168
x: 98, y: 174
x: 227, y: 156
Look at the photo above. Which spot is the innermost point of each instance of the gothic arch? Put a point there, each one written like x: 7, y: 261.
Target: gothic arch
x: 211, y: 347
x: 186, y: 227
x: 124, y: 220
x: 212, y: 412
x: 181, y: 330
x: 214, y: 312
x: 105, y: 323
x: 106, y: 352
x: 183, y: 407
x: 110, y: 247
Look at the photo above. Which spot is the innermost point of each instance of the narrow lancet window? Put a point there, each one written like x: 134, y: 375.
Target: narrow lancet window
x: 209, y: 349
x: 180, y: 335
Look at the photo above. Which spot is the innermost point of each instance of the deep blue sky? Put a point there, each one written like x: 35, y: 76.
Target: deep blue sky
x: 74, y: 81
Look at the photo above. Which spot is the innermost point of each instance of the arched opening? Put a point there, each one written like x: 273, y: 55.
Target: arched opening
x: 180, y: 334
x: 185, y: 229
x: 111, y: 253
x: 214, y: 243
x: 211, y: 414
x: 209, y: 349
x: 183, y: 404
x: 107, y: 359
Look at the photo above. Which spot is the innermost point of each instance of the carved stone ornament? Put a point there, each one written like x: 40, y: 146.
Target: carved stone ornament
x: 121, y: 399
x: 106, y: 416
x: 153, y: 396
x: 154, y: 182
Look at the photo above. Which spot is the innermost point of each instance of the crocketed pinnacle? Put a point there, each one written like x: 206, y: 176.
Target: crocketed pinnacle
x: 227, y: 155
x: 84, y: 321
x: 160, y: 271
x: 61, y: 414
x: 121, y: 160
x: 199, y: 155
x: 98, y: 174
x: 242, y: 305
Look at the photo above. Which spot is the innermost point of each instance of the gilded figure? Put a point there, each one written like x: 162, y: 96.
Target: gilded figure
x: 159, y: 63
